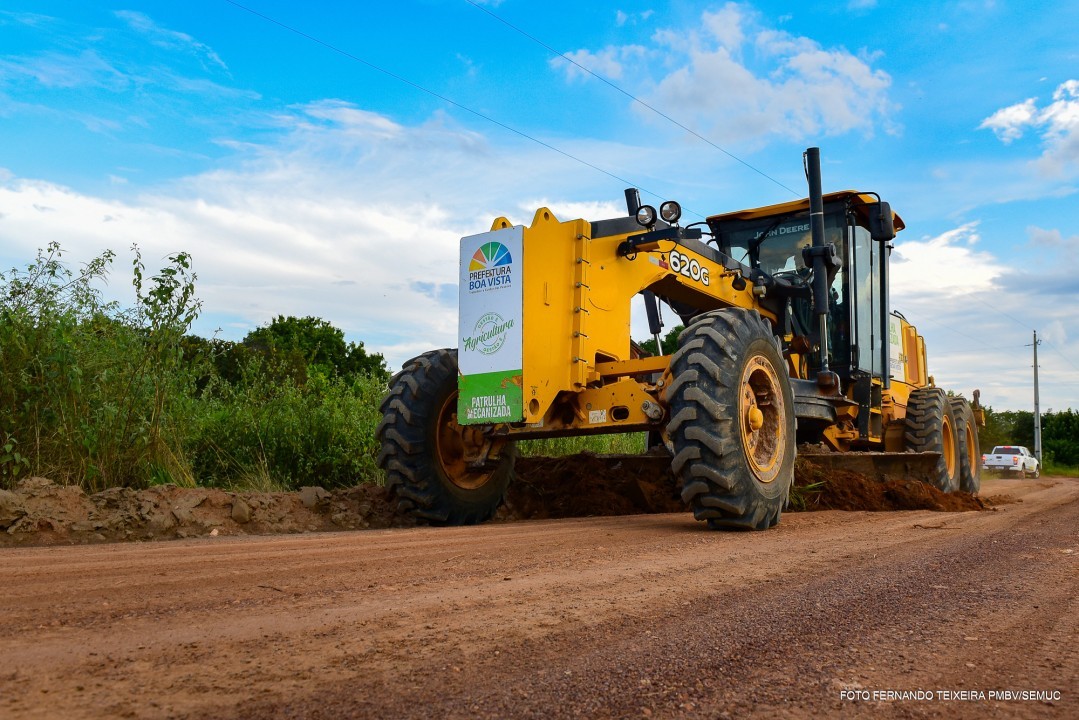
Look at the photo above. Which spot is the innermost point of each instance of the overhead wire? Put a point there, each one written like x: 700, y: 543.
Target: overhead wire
x: 568, y: 155
x: 689, y: 130
x: 628, y: 94
x: 439, y: 96
x: 1061, y: 353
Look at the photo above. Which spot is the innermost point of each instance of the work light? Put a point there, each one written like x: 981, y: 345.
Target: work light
x: 646, y: 216
x: 670, y: 211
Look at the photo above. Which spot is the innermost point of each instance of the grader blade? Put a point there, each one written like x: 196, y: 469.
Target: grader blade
x: 881, y: 466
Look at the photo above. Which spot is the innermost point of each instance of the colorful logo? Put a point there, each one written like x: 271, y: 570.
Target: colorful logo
x: 491, y: 267
x: 490, y: 255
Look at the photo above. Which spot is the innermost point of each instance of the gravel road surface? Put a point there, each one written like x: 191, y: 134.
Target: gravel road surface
x: 635, y: 616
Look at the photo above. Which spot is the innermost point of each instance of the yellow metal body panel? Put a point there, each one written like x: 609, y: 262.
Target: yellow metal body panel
x: 580, y: 374
x: 577, y: 297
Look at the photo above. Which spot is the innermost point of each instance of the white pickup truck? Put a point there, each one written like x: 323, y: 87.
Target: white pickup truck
x: 1011, y: 458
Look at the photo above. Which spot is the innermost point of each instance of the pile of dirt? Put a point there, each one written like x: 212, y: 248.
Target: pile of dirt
x: 818, y: 489
x: 590, y: 485
x: 39, y: 512
x: 586, y: 485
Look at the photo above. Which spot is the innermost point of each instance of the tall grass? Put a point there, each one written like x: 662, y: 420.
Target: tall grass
x: 320, y: 432
x: 91, y: 394
x: 1052, y: 468
x: 97, y: 396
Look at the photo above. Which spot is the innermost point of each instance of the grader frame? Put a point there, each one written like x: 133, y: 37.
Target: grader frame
x: 771, y: 357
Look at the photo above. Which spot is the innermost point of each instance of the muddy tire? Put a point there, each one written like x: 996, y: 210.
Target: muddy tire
x: 970, y: 453
x: 732, y: 421
x: 424, y: 451
x: 930, y: 427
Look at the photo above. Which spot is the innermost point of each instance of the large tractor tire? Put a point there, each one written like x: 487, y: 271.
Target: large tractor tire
x: 732, y: 420
x: 425, y: 453
x: 931, y: 427
x: 970, y: 453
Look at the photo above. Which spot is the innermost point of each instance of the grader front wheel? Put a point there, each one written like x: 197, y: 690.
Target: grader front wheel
x: 440, y: 471
x: 732, y: 420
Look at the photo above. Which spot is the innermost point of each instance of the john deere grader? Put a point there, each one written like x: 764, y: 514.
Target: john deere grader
x: 789, y: 342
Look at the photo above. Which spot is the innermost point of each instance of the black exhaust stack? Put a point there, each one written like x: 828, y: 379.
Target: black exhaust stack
x: 822, y: 258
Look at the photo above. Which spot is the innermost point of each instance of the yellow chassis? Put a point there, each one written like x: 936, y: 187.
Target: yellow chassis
x: 580, y: 373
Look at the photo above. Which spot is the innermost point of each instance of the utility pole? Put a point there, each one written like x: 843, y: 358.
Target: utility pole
x: 1037, y: 407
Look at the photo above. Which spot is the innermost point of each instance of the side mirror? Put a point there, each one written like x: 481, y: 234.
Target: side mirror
x: 881, y: 221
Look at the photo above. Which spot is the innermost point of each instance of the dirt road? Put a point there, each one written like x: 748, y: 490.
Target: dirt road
x: 637, y: 616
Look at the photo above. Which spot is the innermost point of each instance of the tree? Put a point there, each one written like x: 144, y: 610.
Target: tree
x: 1060, y: 437
x: 997, y: 431
x: 669, y: 342
x: 295, y: 345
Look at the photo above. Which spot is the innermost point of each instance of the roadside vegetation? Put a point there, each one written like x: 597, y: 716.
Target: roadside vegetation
x: 1060, y: 437
x: 97, y: 395
x: 101, y: 396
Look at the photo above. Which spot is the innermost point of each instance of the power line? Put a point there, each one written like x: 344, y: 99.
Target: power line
x: 1061, y: 353
x: 945, y: 325
x: 630, y: 95
x: 439, y: 96
x: 952, y: 353
x: 636, y: 99
x: 547, y: 145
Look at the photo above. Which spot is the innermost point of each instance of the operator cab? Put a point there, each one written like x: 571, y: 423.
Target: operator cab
x: 771, y: 241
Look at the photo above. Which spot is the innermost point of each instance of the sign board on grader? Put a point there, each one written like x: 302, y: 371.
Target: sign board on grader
x: 490, y: 347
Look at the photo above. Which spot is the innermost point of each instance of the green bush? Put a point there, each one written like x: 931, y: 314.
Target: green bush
x: 287, y: 434
x: 89, y: 394
x: 99, y: 397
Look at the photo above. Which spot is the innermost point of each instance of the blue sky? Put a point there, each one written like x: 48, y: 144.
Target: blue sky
x: 305, y: 182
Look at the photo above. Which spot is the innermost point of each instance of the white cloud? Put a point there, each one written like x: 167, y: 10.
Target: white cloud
x: 735, y: 78
x: 169, y: 39
x: 1010, y: 122
x: 725, y: 25
x: 1055, y: 333
x: 569, y: 210
x: 608, y: 63
x: 347, y: 215
x: 56, y: 70
x: 977, y: 312
x: 24, y: 18
x: 1041, y: 238
x: 918, y: 263
x: 1057, y: 122
x: 622, y: 18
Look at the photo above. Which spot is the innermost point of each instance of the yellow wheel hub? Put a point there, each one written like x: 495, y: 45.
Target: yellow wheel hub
x: 950, y: 456
x: 456, y: 447
x: 761, y: 414
x: 755, y: 419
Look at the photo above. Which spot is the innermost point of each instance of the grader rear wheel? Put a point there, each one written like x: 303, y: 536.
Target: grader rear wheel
x: 970, y: 454
x: 931, y: 427
x: 431, y: 461
x: 732, y: 420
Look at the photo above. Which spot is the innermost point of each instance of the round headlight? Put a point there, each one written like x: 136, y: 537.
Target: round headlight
x: 670, y: 211
x: 646, y: 216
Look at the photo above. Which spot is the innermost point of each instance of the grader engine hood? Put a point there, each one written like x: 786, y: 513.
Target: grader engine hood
x: 490, y: 327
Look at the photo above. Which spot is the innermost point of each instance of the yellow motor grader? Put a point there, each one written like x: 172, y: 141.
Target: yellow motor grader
x: 789, y: 342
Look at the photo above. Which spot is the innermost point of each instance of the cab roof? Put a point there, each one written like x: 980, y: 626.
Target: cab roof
x: 855, y: 197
